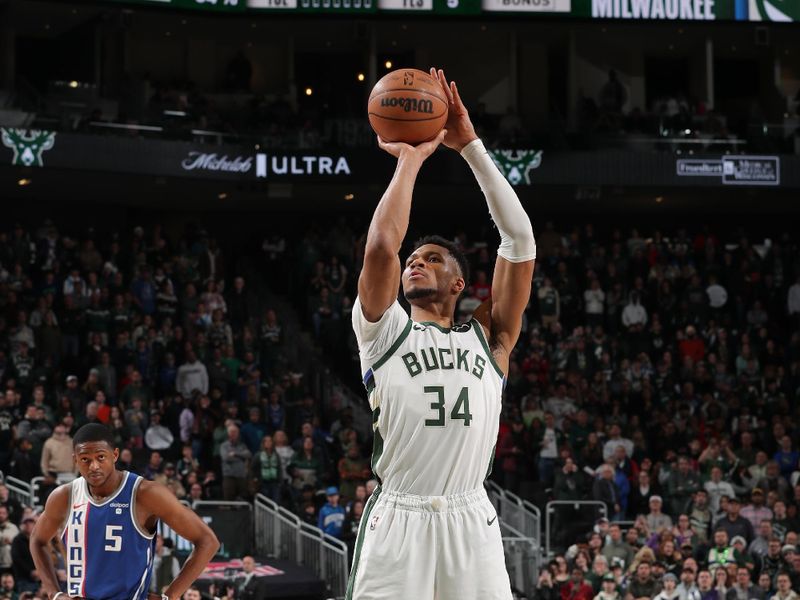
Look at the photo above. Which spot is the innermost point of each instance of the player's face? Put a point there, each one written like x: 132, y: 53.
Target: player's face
x: 430, y: 272
x: 95, y: 461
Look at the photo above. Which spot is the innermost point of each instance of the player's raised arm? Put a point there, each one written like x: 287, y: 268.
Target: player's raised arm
x: 511, y: 284
x: 158, y: 501
x: 47, y: 527
x: 379, y: 281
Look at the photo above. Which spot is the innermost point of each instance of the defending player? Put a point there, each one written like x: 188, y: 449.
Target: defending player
x: 429, y: 531
x: 107, y: 520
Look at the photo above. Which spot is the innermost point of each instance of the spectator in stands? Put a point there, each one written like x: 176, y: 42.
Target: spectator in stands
x: 643, y: 584
x: 235, y: 457
x: 24, y: 569
x: 756, y: 511
x: 721, y: 553
x: 576, y: 588
x: 616, y: 550
x: 682, y: 483
x: 170, y: 479
x: 734, y: 524
x: 158, y: 437
x: 717, y: 488
x: 192, y: 375
x: 266, y: 470
x: 8, y: 531
x: 784, y: 585
x: 57, y: 455
x: 656, y: 520
x: 332, y: 515
x: 744, y: 589
x: 605, y: 490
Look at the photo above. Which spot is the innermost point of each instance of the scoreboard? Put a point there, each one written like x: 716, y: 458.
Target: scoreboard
x: 668, y: 10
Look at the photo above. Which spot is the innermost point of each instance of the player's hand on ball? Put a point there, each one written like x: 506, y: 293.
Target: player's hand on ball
x: 460, y: 131
x: 420, y: 151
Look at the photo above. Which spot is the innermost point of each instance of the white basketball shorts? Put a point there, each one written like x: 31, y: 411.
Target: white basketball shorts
x: 429, y: 548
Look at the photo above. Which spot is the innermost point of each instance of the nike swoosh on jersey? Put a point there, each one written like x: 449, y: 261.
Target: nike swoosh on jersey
x: 488, y: 522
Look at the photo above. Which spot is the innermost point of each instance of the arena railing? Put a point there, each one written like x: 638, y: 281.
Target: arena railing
x: 281, y: 534
x: 523, y: 560
x: 521, y: 514
x: 577, y: 508
x: 21, y: 491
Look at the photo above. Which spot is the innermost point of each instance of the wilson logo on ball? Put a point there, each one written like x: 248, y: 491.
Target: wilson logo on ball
x: 410, y: 104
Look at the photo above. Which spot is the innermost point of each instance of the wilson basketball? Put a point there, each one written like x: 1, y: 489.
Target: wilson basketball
x: 407, y: 105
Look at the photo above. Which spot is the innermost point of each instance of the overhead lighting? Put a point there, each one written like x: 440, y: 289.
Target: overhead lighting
x: 360, y: 77
x: 349, y: 196
x: 659, y: 199
x: 388, y: 64
x: 23, y: 182
x: 73, y: 84
x: 222, y: 195
x: 309, y: 91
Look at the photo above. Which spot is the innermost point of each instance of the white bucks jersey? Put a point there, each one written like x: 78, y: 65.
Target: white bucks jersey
x: 435, y: 395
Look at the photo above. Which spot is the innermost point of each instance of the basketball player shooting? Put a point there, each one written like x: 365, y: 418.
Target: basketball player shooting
x: 429, y: 530
x: 107, y: 520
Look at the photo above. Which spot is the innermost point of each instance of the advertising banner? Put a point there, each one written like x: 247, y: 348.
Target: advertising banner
x: 522, y: 167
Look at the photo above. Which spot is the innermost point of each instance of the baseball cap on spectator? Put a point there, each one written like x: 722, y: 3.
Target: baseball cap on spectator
x: 788, y: 548
x: 168, y: 466
x: 757, y: 491
x: 656, y: 498
x: 737, y: 539
x: 332, y: 491
x: 609, y: 577
x: 671, y: 576
x: 733, y: 499
x: 72, y: 378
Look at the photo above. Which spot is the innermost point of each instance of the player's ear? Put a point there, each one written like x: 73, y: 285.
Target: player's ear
x: 458, y: 285
x: 116, y: 454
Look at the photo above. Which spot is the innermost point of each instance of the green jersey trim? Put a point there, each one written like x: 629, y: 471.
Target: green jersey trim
x: 461, y: 328
x: 401, y: 338
x: 479, y: 332
x: 362, y: 530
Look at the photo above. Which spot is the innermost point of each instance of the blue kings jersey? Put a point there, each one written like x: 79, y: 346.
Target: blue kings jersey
x: 108, y: 556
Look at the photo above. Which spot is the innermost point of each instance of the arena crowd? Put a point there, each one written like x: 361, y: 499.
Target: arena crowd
x: 657, y: 373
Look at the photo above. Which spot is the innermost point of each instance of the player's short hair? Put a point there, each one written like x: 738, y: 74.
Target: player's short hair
x: 93, y: 432
x: 452, y: 248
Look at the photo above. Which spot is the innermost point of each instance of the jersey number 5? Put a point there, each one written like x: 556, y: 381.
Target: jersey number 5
x: 460, y: 410
x: 113, y: 540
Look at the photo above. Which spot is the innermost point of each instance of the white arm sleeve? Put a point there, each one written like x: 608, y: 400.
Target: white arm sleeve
x: 517, y: 243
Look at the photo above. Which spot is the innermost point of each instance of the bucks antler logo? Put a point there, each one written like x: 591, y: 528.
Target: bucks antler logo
x: 516, y: 165
x: 28, y: 145
x: 774, y: 10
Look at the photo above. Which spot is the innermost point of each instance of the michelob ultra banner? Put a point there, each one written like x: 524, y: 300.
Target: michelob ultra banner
x: 689, y: 10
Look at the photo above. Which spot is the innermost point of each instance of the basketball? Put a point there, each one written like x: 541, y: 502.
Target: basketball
x: 407, y: 105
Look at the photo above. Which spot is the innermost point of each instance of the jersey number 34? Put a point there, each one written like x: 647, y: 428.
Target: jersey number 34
x: 460, y: 410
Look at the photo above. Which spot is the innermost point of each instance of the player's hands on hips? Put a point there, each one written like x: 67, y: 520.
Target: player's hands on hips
x: 460, y: 131
x: 420, y: 151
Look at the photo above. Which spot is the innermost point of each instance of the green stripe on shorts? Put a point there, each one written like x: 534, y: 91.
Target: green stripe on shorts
x: 351, y: 582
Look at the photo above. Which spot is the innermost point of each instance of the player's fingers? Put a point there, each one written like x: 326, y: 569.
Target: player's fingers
x: 435, y: 75
x: 446, y: 86
x: 456, y: 95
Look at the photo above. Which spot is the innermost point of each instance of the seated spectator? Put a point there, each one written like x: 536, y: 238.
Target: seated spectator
x: 717, y: 487
x: 734, y: 524
x: 332, y: 515
x: 756, y: 511
x: 656, y: 520
x: 721, y: 553
x: 643, y: 585
x: 784, y: 591
x: 158, y: 437
x: 577, y: 588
